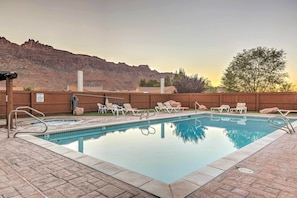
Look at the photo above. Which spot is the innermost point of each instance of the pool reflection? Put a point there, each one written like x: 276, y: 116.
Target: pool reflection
x: 190, y: 130
x: 239, y: 130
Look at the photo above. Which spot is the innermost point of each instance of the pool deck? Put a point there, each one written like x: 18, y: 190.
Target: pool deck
x: 30, y: 167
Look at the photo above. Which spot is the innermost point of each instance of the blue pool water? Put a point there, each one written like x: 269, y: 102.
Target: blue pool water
x: 167, y: 149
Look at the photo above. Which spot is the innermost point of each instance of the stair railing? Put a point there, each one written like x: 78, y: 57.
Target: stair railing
x: 196, y: 105
x: 28, y: 108
x: 19, y: 110
x: 286, y: 126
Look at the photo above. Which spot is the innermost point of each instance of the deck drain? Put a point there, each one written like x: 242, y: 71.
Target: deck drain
x: 245, y: 170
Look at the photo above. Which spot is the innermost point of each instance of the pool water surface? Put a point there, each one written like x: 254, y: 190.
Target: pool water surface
x: 167, y: 149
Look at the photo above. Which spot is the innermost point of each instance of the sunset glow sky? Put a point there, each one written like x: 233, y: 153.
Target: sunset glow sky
x: 200, y: 36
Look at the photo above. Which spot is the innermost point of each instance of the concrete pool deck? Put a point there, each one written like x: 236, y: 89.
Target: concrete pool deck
x: 30, y: 167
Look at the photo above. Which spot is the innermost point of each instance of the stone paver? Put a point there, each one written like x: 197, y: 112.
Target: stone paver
x: 27, y: 170
x: 275, y: 174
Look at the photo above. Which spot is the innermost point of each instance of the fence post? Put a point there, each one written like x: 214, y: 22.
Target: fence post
x: 150, y: 101
x: 190, y: 100
x: 31, y: 99
x: 130, y: 102
x: 257, y: 101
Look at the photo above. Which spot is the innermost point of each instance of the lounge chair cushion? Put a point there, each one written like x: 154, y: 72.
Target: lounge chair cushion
x: 202, y: 108
x: 269, y: 110
x: 174, y: 103
x: 78, y: 111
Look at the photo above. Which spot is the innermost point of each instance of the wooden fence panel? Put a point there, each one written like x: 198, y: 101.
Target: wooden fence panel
x: 60, y: 102
x: 208, y: 100
x: 158, y: 98
x: 54, y: 102
x: 118, y: 97
x: 139, y: 100
x: 233, y: 98
x: 184, y: 99
x: 280, y: 100
x: 21, y: 98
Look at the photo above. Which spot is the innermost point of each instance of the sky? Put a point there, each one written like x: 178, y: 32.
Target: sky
x: 200, y: 36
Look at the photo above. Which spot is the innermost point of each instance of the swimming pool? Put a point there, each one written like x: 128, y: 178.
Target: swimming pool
x: 167, y: 149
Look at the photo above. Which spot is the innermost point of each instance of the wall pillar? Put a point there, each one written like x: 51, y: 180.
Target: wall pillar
x: 80, y: 81
x: 162, y: 86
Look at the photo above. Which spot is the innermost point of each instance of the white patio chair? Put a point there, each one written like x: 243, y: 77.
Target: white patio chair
x: 161, y: 107
x: 101, y: 108
x: 128, y: 108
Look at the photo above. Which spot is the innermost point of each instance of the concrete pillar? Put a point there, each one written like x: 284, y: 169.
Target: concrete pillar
x: 162, y: 83
x: 80, y: 81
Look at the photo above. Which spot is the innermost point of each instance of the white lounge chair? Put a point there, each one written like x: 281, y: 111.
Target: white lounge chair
x: 221, y: 108
x: 171, y: 108
x: 115, y: 109
x: 128, y: 108
x: 285, y: 112
x: 161, y: 107
x: 176, y: 105
x: 240, y: 107
x: 200, y: 107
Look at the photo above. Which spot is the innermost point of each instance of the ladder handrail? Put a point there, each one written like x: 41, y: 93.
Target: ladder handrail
x: 27, y: 107
x: 29, y: 114
x: 288, y: 128
x: 196, y: 104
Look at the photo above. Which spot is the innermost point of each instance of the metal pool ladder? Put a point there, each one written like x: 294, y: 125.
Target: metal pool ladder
x: 285, y: 126
x: 196, y: 105
x: 20, y: 110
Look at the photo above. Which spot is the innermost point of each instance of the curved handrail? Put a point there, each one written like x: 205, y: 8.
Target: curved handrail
x: 196, y: 104
x: 288, y: 128
x: 27, y: 107
x: 29, y: 114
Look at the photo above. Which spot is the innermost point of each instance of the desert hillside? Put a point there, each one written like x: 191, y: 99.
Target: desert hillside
x: 43, y: 67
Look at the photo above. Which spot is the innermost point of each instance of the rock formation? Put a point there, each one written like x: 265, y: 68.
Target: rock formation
x: 43, y: 67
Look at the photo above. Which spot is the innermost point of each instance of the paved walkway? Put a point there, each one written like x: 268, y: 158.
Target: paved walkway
x: 27, y: 170
x: 274, y: 174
